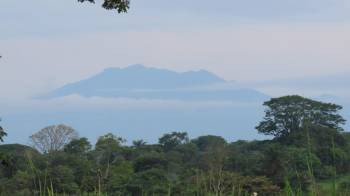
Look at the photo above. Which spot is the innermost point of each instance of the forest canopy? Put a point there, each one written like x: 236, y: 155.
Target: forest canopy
x: 313, y: 154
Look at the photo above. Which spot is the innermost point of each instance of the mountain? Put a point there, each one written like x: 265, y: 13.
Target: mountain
x: 140, y: 82
x: 157, y: 101
x: 139, y: 102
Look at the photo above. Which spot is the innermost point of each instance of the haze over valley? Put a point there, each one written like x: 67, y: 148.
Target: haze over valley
x: 139, y: 101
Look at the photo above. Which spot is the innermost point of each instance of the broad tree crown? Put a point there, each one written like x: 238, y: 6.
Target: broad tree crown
x: 290, y: 113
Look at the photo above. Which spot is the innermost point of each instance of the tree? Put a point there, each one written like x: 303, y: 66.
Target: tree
x: 53, y: 138
x: 2, y: 133
x: 149, y: 182
x: 290, y: 113
x: 78, y: 146
x: 62, y: 179
x: 107, y: 150
x: 210, y: 142
x: 172, y: 140
x: 138, y: 143
x: 149, y: 161
x: 109, y: 145
x: 3, y: 160
x: 21, y: 183
x: 119, y: 5
x: 121, y: 174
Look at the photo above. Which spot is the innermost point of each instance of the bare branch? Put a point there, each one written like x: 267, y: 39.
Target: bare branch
x: 53, y: 138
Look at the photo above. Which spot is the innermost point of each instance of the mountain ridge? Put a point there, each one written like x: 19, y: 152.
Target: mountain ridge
x: 138, y: 81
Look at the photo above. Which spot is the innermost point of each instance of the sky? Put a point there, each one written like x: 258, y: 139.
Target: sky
x: 268, y: 45
x: 48, y: 43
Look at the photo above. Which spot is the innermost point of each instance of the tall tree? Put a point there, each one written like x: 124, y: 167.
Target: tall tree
x: 53, y: 138
x: 213, y: 152
x: 290, y: 113
x: 78, y: 146
x: 119, y: 5
x: 2, y: 133
x: 138, y: 143
x: 172, y: 140
x: 109, y: 142
x: 107, y: 149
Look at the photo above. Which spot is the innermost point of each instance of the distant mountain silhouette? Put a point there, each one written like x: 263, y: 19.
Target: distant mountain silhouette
x: 138, y: 81
x: 224, y: 108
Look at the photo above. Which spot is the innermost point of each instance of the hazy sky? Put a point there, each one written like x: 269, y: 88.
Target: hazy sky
x: 47, y: 43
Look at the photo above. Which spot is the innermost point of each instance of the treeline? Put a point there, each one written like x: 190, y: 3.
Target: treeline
x: 308, y: 147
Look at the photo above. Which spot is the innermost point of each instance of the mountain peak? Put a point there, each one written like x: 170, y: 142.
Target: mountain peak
x: 139, y: 81
x: 138, y: 76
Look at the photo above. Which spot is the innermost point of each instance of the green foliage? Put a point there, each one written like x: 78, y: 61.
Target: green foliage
x: 78, y: 146
x: 306, y: 161
x: 109, y: 142
x: 149, y: 161
x: 228, y: 183
x: 119, y: 5
x: 206, y: 165
x: 208, y: 142
x: 120, y: 176
x: 149, y: 182
x: 290, y: 113
x: 139, y: 143
x: 2, y: 133
x: 21, y: 182
x: 16, y: 158
x: 172, y: 140
x: 107, y: 148
x: 3, y: 159
x: 344, y: 188
x: 62, y: 179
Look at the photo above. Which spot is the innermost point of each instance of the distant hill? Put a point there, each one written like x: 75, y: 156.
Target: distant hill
x: 139, y: 102
x: 16, y: 149
x: 140, y: 82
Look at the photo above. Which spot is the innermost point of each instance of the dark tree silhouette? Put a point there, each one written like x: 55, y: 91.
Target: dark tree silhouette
x: 2, y: 133
x: 3, y: 159
x: 119, y: 5
x: 290, y: 113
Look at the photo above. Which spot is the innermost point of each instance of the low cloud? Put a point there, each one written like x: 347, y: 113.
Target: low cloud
x: 76, y: 102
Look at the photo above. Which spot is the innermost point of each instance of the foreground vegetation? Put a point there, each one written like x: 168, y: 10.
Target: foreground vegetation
x: 309, y: 155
